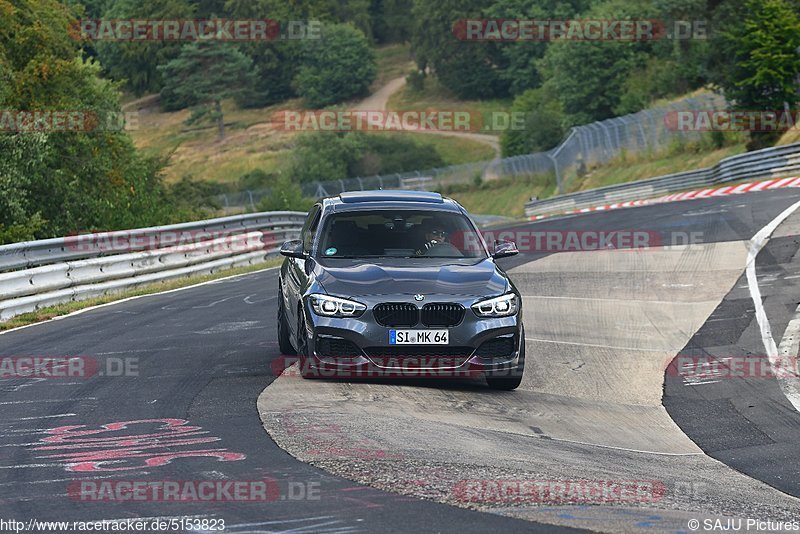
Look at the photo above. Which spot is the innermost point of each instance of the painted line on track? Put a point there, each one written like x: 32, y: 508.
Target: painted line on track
x: 788, y: 384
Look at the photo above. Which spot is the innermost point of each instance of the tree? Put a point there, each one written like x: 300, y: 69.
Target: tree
x: 285, y: 195
x: 136, y: 63
x: 588, y: 77
x: 208, y: 73
x: 391, y: 20
x: 544, y: 124
x: 323, y: 156
x: 59, y: 182
x: 758, y: 53
x: 468, y: 69
x: 521, y: 71
x: 338, y: 67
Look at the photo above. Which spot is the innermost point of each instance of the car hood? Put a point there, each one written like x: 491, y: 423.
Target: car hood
x: 461, y: 277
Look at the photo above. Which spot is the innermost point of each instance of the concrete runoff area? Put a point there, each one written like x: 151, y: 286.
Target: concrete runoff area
x: 589, y: 406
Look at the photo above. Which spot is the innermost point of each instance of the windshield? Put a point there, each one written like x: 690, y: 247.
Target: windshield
x: 400, y: 233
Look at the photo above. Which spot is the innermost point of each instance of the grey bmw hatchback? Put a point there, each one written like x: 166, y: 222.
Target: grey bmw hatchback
x: 399, y: 284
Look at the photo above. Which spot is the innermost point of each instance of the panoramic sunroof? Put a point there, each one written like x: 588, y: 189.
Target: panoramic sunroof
x: 379, y: 196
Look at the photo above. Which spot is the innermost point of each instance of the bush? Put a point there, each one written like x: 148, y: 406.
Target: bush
x: 134, y: 62
x: 58, y: 183
x: 388, y: 154
x: 188, y: 193
x: 256, y: 179
x: 324, y: 156
x: 285, y: 195
x: 21, y: 232
x: 339, y: 66
x: 544, y: 124
x: 416, y: 81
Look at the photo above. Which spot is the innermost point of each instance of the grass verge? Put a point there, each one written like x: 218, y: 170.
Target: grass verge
x: 434, y: 96
x: 69, y: 307
x: 506, y: 196
x: 393, y: 61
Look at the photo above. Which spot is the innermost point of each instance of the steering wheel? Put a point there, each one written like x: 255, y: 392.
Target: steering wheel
x: 440, y: 248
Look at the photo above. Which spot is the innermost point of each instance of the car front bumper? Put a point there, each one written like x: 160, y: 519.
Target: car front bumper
x: 369, y: 352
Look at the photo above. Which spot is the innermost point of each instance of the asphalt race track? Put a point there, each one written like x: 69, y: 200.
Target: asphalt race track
x: 182, y: 386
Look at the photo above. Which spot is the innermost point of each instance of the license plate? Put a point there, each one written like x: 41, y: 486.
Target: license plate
x: 419, y: 337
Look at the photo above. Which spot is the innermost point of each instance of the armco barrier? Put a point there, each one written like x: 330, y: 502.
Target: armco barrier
x: 53, y: 271
x: 767, y: 163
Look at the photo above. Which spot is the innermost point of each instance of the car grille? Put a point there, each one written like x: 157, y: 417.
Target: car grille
x: 426, y: 357
x: 442, y: 314
x: 336, y: 347
x: 418, y: 351
x: 396, y: 314
x: 500, y: 347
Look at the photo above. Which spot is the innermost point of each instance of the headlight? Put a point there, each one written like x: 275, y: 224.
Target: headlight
x: 328, y: 306
x: 504, y: 306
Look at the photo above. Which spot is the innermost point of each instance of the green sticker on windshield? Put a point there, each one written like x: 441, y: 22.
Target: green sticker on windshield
x: 330, y: 252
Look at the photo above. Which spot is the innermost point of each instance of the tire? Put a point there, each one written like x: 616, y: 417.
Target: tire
x: 302, y: 348
x: 510, y: 383
x: 284, y: 341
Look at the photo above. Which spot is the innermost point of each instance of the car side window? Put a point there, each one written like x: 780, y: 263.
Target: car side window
x: 310, y: 228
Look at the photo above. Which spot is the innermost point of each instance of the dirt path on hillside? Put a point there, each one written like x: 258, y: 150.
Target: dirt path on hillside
x: 379, y: 100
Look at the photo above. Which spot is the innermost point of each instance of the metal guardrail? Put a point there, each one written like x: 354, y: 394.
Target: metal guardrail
x: 53, y: 271
x: 773, y: 162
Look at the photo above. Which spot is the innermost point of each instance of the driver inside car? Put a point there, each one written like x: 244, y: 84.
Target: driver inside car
x: 434, y: 235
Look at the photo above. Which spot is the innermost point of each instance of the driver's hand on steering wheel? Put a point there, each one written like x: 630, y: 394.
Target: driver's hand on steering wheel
x: 433, y: 237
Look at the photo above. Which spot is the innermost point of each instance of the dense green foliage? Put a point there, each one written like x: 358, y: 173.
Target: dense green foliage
x: 55, y: 183
x: 136, y: 63
x: 58, y: 182
x: 276, y: 61
x: 338, y: 67
x: 285, y: 195
x: 206, y: 73
x: 544, y: 127
x: 334, y: 156
x: 759, y: 58
x: 749, y: 52
x: 470, y: 70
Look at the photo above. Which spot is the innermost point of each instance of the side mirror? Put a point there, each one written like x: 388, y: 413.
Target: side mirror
x: 504, y: 249
x: 293, y: 249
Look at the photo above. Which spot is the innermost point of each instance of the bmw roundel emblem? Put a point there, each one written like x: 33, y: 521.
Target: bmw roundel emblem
x: 419, y: 298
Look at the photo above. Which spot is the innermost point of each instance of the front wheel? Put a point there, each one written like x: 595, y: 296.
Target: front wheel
x: 511, y: 382
x: 284, y: 342
x: 303, y: 349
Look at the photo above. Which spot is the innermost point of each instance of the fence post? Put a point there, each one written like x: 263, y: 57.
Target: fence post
x: 558, y: 173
